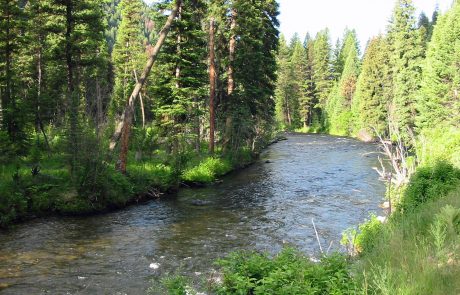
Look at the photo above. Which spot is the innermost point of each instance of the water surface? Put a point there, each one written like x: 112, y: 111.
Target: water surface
x: 273, y: 202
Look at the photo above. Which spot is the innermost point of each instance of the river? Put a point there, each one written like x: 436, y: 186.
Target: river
x: 271, y: 203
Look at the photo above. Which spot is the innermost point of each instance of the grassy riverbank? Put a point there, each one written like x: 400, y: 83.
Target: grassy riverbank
x: 32, y: 188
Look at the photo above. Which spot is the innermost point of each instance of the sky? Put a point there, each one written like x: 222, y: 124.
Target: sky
x: 367, y: 17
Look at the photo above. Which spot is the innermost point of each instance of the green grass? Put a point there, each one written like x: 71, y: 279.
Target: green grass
x: 418, y: 253
x: 208, y: 170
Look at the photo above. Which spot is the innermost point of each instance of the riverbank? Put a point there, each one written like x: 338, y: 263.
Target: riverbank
x: 260, y: 208
x: 31, y: 189
x: 416, y: 251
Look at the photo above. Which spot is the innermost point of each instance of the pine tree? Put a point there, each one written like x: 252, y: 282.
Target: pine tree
x: 370, y: 103
x: 322, y: 68
x: 338, y: 107
x: 251, y: 105
x: 309, y: 100
x: 128, y: 53
x: 407, y: 44
x: 438, y: 104
x: 181, y: 79
x: 12, y: 39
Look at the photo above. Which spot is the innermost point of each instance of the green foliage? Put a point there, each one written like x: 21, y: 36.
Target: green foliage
x: 365, y: 238
x: 408, y: 50
x: 289, y: 272
x: 439, y: 144
x: 371, y: 100
x: 175, y: 285
x: 417, y: 252
x: 437, y: 103
x: 149, y: 174
x: 429, y: 183
x: 207, y: 170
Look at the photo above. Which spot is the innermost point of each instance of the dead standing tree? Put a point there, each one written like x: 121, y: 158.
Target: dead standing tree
x: 398, y: 154
x: 123, y: 129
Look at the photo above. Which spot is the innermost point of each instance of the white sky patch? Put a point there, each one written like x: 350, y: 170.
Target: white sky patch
x: 368, y: 17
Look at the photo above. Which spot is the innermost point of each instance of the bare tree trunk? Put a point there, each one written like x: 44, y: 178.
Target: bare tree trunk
x: 39, y: 93
x: 231, y: 78
x: 72, y: 100
x: 212, y: 84
x: 141, y: 101
x: 197, y: 127
x: 177, y: 76
x: 127, y: 117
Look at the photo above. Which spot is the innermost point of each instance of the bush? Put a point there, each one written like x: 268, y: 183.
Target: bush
x: 147, y: 175
x: 13, y: 205
x: 289, y: 272
x: 207, y: 171
x: 429, y: 183
x: 102, y: 185
x: 439, y: 144
x: 366, y: 237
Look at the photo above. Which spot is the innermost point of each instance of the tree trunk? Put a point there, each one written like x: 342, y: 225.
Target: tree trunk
x: 212, y: 84
x: 39, y: 122
x: 72, y: 100
x: 8, y: 102
x: 231, y: 78
x: 125, y: 126
x: 141, y: 101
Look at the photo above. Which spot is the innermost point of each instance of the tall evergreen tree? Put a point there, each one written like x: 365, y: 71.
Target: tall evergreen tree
x: 308, y: 110
x: 181, y: 79
x: 407, y: 44
x: 128, y: 53
x: 438, y: 104
x: 322, y: 68
x: 371, y: 100
x: 12, y: 25
x: 252, y: 106
x: 338, y: 107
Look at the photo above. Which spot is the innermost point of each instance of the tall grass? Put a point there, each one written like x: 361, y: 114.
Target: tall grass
x: 416, y: 254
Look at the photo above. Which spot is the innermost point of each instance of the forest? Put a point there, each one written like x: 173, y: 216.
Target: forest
x: 74, y: 140
x: 104, y: 104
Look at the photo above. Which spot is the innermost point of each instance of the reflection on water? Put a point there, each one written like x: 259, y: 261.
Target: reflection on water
x: 271, y: 203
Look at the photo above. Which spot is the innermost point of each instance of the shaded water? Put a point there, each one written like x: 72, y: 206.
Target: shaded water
x: 326, y: 178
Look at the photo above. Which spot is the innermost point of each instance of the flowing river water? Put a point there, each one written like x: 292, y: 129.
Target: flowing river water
x: 271, y: 203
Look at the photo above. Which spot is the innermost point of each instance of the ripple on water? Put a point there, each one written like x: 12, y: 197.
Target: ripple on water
x: 264, y: 207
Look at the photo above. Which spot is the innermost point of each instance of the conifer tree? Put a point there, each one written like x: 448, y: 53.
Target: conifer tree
x: 12, y: 25
x: 370, y: 103
x: 181, y: 79
x: 338, y: 107
x: 322, y: 68
x: 128, y: 53
x: 308, y: 112
x: 407, y: 45
x: 438, y: 103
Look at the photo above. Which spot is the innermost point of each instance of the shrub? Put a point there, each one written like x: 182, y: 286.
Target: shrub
x: 429, y: 183
x: 289, y: 272
x: 366, y: 237
x: 207, y: 171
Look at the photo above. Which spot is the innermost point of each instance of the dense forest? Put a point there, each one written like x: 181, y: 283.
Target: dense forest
x: 105, y: 103
x: 405, y: 84
x: 75, y: 81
